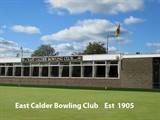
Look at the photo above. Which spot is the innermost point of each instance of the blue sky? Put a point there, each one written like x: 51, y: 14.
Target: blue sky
x: 68, y: 25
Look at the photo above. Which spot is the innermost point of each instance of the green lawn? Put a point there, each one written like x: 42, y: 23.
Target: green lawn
x: 147, y: 104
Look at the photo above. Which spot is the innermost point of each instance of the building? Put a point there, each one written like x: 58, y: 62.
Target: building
x: 107, y: 70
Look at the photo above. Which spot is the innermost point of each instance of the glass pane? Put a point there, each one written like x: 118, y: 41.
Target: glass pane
x: 76, y: 71
x: 17, y: 71
x: 99, y: 62
x: 87, y: 62
x: 44, y: 71
x: 87, y: 71
x: 113, y: 71
x: 10, y: 71
x: 100, y: 71
x: 26, y: 71
x: 35, y: 71
x: 2, y: 73
x: 55, y: 71
x: 65, y: 71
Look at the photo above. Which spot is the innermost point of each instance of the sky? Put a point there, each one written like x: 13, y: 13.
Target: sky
x: 69, y: 25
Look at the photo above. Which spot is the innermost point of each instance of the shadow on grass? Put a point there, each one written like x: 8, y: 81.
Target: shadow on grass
x: 84, y: 88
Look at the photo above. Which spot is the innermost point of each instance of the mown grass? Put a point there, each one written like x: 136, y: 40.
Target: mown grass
x: 147, y: 104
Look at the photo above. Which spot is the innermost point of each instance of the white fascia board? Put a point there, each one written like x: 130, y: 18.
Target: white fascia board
x: 10, y: 60
x: 141, y: 56
x: 101, y: 57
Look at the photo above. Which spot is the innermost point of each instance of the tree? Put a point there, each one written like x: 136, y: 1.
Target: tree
x: 95, y: 48
x: 44, y: 50
x: 77, y: 53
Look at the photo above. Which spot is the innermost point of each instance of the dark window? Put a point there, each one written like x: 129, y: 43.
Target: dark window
x: 87, y: 71
x: 112, y: 62
x: 64, y: 63
x: 35, y: 71
x: 54, y: 63
x: 26, y: 71
x: 9, y: 64
x: 76, y: 71
x: 44, y: 71
x: 76, y: 62
x: 99, y: 62
x: 65, y: 71
x: 26, y: 64
x: 2, y: 73
x: 2, y: 64
x: 17, y: 71
x: 55, y: 71
x: 10, y: 71
x: 87, y: 62
x: 100, y: 71
x: 113, y: 71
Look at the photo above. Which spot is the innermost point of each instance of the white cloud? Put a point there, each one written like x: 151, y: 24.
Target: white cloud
x: 112, y: 49
x: 11, y: 48
x: 7, y: 42
x: 155, y: 46
x: 64, y: 48
x: 133, y: 20
x: 95, y: 6
x: 77, y: 37
x: 86, y: 30
x: 25, y: 29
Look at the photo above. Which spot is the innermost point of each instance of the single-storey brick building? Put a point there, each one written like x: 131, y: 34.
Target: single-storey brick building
x: 106, y: 70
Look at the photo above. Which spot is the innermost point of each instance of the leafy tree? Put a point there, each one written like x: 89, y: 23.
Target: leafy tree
x: 44, y: 50
x: 77, y: 53
x: 95, y: 48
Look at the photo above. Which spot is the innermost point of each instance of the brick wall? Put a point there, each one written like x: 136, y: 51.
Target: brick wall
x: 136, y: 73
x: 61, y: 81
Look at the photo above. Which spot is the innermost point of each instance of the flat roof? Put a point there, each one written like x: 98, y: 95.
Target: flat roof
x: 90, y: 57
x: 10, y: 60
x: 140, y: 55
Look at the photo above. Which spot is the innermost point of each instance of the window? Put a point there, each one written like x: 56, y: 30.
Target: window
x: 17, y: 71
x: 87, y: 62
x: 100, y: 71
x: 9, y: 64
x: 64, y: 63
x: 76, y: 62
x: 2, y: 72
x: 26, y: 64
x: 55, y: 71
x: 45, y: 71
x: 65, y: 71
x: 87, y: 71
x: 1, y: 64
x: 99, y: 62
x: 112, y: 62
x: 10, y: 71
x: 35, y: 71
x: 26, y: 71
x: 54, y: 63
x: 113, y: 71
x: 76, y: 71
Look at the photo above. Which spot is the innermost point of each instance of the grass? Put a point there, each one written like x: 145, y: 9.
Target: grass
x: 147, y: 104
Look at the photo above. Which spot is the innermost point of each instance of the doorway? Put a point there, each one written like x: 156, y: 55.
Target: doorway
x: 156, y: 72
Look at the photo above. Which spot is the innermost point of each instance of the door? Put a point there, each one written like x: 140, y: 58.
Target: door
x: 156, y: 72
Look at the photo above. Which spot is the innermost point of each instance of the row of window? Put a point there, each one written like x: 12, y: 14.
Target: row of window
x: 63, y: 63
x: 62, y: 71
